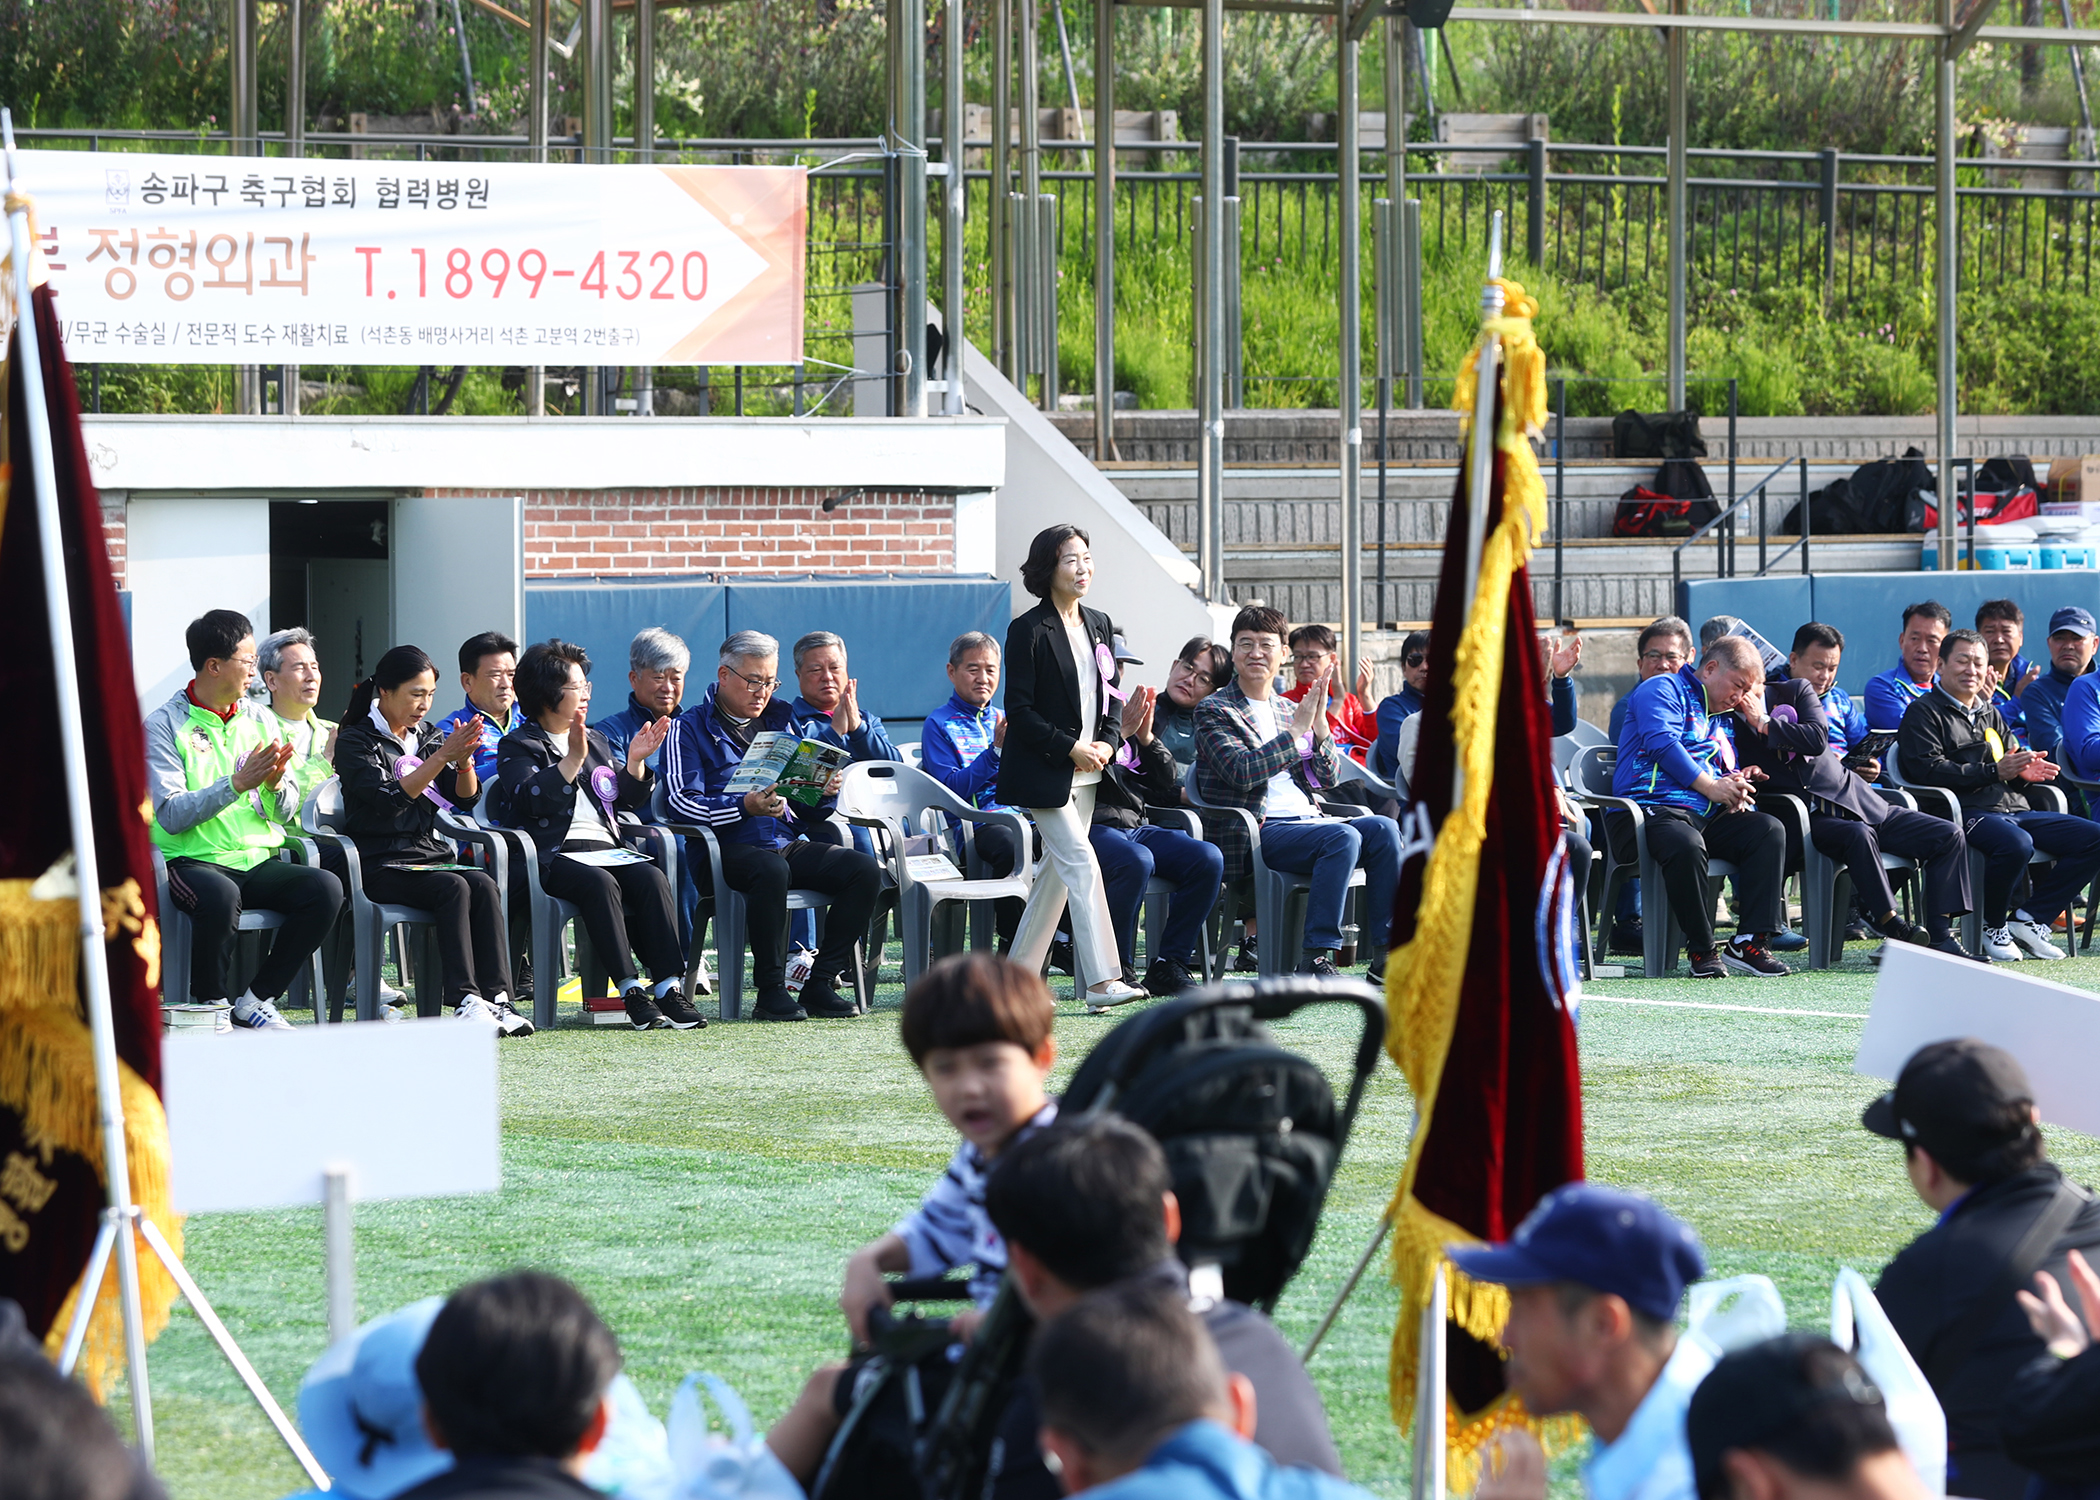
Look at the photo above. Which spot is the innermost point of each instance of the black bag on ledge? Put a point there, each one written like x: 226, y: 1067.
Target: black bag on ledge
x: 1657, y: 434
x: 1885, y: 497
x: 1676, y: 504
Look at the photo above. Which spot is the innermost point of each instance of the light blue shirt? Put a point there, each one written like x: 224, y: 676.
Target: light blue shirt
x: 1651, y: 1459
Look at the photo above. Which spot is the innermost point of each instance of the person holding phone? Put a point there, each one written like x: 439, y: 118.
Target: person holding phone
x: 1061, y: 683
x: 398, y: 773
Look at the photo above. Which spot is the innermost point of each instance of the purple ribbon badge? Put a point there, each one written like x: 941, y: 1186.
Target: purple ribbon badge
x: 408, y: 763
x: 1783, y: 713
x: 605, y: 786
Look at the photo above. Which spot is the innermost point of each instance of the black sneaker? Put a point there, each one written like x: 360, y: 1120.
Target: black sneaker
x: 1748, y: 956
x: 1707, y: 966
x: 1952, y: 945
x: 1374, y: 971
x: 1318, y: 964
x: 1857, y: 931
x: 1897, y: 930
x: 778, y: 1005
x: 1166, y: 978
x: 679, y: 1011
x: 1627, y: 937
x: 1061, y: 956
x: 642, y: 1012
x: 1248, y: 959
x: 824, y: 1003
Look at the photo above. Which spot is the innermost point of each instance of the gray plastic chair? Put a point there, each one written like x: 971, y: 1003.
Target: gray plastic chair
x: 897, y: 803
x: 1279, y: 897
x: 1941, y: 802
x: 178, y: 939
x: 1826, y: 887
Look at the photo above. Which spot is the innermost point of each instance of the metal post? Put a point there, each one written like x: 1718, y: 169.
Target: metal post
x: 246, y: 132
x: 1104, y: 230
x: 1042, y: 259
x: 1411, y: 297
x: 954, y: 205
x: 466, y: 59
x: 1560, y: 494
x: 1678, y: 204
x: 1349, y: 386
x: 597, y: 139
x: 341, y: 1259
x: 645, y: 80
x: 536, y: 85
x: 80, y: 815
x: 1230, y: 288
x: 1827, y: 207
x: 908, y: 138
x: 1384, y: 347
x: 1947, y: 259
x: 1430, y: 1454
x: 295, y: 78
x: 999, y: 237
x: 1210, y: 370
x: 1535, y: 206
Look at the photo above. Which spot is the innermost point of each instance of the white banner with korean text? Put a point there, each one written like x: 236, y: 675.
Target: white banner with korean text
x: 234, y: 260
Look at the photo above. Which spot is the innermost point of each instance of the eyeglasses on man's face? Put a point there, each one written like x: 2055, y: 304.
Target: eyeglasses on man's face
x: 1676, y: 657
x: 757, y: 684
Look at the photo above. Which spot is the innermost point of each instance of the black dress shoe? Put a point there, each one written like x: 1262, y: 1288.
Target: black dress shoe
x: 778, y: 1005
x: 1165, y: 978
x: 1061, y: 956
x: 824, y: 1003
x: 1627, y: 938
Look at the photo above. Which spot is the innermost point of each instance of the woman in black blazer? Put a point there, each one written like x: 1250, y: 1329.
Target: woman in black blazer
x: 1060, y: 733
x: 560, y: 782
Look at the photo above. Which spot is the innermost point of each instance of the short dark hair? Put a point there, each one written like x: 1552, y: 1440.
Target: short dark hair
x: 1669, y: 625
x: 1085, y: 1198
x: 543, y: 673
x: 1799, y: 1399
x: 1999, y: 609
x: 488, y: 643
x: 1041, y: 562
x: 1931, y: 609
x: 1574, y: 1296
x: 213, y: 635
x: 1816, y: 633
x: 2019, y: 1146
x: 1262, y: 620
x: 514, y: 1367
x: 1413, y: 641
x: 967, y: 642
x: 1960, y: 637
x: 1317, y: 635
x: 968, y: 999
x: 1211, y: 662
x: 1125, y: 1365
x: 58, y: 1442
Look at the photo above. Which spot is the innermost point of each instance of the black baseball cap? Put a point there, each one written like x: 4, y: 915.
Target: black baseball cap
x: 1951, y: 1098
x: 1761, y: 1393
x: 1602, y: 1237
x: 1121, y: 648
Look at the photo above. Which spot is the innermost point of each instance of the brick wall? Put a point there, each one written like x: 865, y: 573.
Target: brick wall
x: 732, y: 531
x: 113, y: 533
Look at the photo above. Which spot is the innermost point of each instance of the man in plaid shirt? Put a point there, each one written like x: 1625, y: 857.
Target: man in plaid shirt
x: 1257, y: 752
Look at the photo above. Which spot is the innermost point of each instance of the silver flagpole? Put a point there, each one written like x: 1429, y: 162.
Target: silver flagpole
x: 1480, y: 453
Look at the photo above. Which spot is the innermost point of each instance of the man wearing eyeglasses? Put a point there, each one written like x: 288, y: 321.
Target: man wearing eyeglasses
x: 1664, y: 646
x: 767, y: 839
x: 1313, y: 653
x: 1403, y: 705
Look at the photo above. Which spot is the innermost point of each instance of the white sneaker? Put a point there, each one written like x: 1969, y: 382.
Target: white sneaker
x: 2033, y: 938
x: 1998, y: 944
x: 508, y: 1018
x: 474, y: 1008
x: 259, y: 1015
x: 388, y: 995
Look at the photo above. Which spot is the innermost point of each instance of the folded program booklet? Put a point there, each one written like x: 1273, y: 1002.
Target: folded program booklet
x: 801, y: 768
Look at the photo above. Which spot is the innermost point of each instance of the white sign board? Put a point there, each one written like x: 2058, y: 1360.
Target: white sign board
x: 255, y: 1118
x: 2053, y: 1029
x: 234, y: 260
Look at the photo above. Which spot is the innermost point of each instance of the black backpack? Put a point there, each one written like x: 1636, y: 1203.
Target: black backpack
x: 1884, y: 497
x: 1250, y: 1129
x: 1657, y: 434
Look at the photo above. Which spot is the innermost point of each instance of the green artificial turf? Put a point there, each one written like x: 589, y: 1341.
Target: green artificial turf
x: 705, y: 1188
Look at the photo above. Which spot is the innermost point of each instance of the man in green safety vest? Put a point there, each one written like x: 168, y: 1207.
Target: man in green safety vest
x: 222, y: 800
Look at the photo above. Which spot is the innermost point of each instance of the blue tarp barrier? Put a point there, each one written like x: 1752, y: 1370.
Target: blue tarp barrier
x: 603, y: 615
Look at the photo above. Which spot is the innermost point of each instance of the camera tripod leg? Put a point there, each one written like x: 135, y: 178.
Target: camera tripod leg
x: 90, y: 1289
x: 1363, y: 1264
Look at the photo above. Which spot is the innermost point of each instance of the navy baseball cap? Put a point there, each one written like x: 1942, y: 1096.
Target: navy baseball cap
x: 1601, y: 1237
x: 2073, y: 618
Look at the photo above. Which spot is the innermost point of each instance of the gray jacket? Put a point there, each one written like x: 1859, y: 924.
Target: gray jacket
x: 177, y: 806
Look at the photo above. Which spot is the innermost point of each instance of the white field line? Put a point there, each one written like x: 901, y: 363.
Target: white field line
x: 1755, y: 1010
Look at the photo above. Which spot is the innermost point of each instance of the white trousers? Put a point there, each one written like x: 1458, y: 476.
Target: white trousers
x: 1069, y: 872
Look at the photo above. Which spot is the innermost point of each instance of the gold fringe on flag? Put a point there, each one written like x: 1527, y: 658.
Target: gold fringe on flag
x: 47, y: 1077
x: 1424, y: 977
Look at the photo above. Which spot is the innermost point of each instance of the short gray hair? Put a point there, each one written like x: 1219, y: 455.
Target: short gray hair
x: 816, y: 640
x: 657, y: 650
x: 1715, y: 628
x: 269, y: 656
x: 968, y: 641
x: 748, y: 644
x: 1737, y: 654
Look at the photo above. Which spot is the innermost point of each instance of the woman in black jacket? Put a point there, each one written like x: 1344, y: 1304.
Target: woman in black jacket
x: 397, y: 772
x: 1060, y: 673
x: 541, y: 767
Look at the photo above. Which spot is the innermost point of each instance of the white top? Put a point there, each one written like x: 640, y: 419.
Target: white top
x: 587, y: 828
x: 1089, y: 692
x: 1286, y: 799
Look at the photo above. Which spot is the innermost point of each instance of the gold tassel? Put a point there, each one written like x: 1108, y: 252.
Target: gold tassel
x: 39, y: 951
x: 1424, y: 977
x: 47, y: 1076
